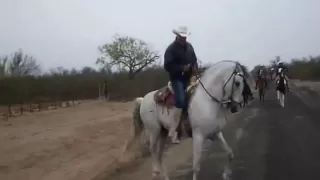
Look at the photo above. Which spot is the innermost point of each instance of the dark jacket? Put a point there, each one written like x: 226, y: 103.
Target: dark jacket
x: 176, y: 56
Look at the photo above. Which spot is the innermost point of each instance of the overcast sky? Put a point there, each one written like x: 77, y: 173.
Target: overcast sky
x: 68, y: 32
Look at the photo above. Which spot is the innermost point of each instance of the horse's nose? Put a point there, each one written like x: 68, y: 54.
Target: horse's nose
x: 234, y: 109
x: 233, y: 106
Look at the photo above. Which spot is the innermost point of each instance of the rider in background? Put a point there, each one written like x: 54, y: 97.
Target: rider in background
x: 179, y: 61
x: 271, y: 73
x: 261, y: 75
x: 281, y: 67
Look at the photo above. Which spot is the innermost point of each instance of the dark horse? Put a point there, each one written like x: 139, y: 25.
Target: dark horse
x: 281, y: 88
x: 281, y: 83
x: 245, y: 94
x: 262, y: 86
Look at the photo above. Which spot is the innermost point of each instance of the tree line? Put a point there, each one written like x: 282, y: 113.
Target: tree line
x: 128, y: 66
x: 305, y: 68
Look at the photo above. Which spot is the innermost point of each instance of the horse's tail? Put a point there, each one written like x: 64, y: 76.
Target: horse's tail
x: 137, y: 123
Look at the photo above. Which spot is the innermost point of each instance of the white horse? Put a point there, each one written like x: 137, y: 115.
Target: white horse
x: 220, y: 84
x: 281, y: 84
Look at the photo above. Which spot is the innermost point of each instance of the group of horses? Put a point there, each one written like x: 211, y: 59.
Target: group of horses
x: 281, y: 86
x: 219, y: 90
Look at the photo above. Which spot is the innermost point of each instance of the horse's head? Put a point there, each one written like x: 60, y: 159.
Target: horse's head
x: 224, y: 82
x: 233, y: 90
x: 227, y: 80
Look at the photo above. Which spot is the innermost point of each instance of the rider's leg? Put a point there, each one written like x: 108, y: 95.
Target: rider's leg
x: 184, y: 114
x: 178, y: 88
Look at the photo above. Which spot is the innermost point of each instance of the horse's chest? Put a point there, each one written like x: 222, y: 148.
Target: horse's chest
x: 210, y: 125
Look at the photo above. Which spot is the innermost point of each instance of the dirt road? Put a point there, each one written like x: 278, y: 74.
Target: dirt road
x: 72, y: 143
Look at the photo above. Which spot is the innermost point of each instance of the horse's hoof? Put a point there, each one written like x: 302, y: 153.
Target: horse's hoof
x: 231, y: 156
x: 155, y: 175
x: 226, y: 175
x: 175, y: 141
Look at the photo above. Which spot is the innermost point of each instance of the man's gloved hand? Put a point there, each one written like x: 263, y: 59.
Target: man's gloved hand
x: 186, y: 68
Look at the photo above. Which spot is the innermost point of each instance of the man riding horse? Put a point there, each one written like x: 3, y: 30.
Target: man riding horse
x: 279, y: 69
x: 180, y: 61
x: 261, y: 75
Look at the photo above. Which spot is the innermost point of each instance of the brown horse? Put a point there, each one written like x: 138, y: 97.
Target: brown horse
x: 262, y: 86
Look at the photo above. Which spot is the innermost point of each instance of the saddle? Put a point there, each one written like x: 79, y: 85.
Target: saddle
x: 165, y: 95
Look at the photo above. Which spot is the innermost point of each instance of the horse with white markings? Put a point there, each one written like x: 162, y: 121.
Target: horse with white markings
x: 281, y: 87
x: 220, y: 86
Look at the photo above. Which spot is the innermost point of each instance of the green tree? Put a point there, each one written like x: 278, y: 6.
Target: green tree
x: 127, y: 53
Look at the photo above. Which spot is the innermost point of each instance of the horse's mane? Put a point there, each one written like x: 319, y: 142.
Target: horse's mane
x: 240, y: 67
x: 245, y: 71
x: 216, y: 68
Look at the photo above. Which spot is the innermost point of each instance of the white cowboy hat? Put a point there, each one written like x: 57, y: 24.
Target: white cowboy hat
x: 181, y: 31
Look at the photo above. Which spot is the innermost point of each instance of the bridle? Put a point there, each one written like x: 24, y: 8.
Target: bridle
x: 230, y: 98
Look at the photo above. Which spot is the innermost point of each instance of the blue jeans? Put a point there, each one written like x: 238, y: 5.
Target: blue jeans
x: 179, y: 87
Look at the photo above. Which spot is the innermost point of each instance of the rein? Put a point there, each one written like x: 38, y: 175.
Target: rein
x: 234, y: 73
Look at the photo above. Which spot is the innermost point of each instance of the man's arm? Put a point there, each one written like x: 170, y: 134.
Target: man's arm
x: 194, y: 63
x: 169, y: 62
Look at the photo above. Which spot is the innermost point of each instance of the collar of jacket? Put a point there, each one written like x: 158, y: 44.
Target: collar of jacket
x: 181, y: 45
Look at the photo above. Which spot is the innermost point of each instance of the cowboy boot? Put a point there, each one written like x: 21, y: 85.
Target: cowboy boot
x: 173, y: 129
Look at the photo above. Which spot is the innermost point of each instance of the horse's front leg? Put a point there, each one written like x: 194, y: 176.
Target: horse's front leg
x: 198, y: 140
x: 225, y: 145
x: 282, y: 99
x: 260, y: 97
x: 227, y: 171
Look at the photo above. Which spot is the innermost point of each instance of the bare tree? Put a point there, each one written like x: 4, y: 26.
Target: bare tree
x: 88, y: 71
x: 59, y: 71
x: 3, y: 66
x: 21, y: 64
x: 127, y: 53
